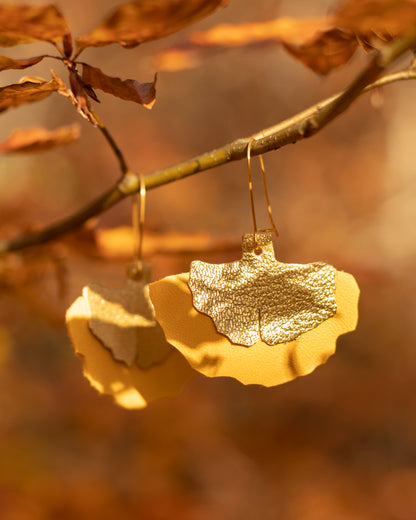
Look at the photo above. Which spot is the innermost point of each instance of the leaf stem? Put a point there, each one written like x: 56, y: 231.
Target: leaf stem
x: 118, y: 153
x: 303, y: 125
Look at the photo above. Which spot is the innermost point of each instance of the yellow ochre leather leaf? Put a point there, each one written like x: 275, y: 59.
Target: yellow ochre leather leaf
x: 211, y: 353
x: 131, y: 387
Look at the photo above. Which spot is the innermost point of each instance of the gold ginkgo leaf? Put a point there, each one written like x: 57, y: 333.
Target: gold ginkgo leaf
x: 258, y: 298
x: 123, y: 320
x: 195, y: 335
x: 130, y: 386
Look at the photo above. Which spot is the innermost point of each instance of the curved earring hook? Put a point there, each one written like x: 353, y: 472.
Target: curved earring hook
x: 250, y: 189
x: 137, y: 217
x: 266, y: 194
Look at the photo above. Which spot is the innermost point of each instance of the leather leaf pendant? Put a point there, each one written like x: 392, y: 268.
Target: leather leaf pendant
x: 213, y: 353
x: 259, y: 298
x: 123, y: 348
x: 123, y: 320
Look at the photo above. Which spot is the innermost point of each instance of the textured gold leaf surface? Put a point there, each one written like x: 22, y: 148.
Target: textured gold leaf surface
x: 259, y: 298
x: 123, y: 320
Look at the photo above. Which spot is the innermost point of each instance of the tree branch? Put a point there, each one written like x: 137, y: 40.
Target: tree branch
x: 303, y: 125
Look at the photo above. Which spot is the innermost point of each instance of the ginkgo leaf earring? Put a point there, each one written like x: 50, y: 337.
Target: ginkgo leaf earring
x: 124, y: 351
x: 258, y: 320
x: 258, y: 298
x: 123, y: 318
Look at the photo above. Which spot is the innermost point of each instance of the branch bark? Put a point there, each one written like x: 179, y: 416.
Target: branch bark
x: 303, y: 125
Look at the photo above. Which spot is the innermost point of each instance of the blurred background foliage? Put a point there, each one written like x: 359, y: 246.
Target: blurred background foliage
x: 338, y: 444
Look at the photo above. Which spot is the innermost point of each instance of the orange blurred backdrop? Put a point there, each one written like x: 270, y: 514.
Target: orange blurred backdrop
x: 337, y: 444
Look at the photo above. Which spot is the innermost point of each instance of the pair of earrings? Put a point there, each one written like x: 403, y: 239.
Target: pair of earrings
x: 257, y: 320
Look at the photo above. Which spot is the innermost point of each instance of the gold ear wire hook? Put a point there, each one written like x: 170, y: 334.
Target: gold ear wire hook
x: 142, y: 214
x: 250, y: 189
x: 138, y: 214
x: 266, y: 193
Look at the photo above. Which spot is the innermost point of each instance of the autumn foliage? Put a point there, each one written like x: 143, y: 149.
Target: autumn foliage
x: 129, y: 25
x: 337, y: 444
x: 321, y: 44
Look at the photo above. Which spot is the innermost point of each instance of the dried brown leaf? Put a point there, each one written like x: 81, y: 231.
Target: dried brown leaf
x: 77, y: 88
x: 39, y: 139
x: 331, y: 50
x: 76, y: 95
x: 29, y: 23
x: 80, y: 96
x: 68, y: 45
x: 62, y: 88
x: 133, y: 23
x: 32, y: 79
x: 129, y: 89
x: 383, y: 18
x: 313, y: 41
x: 10, y: 63
x: 27, y: 91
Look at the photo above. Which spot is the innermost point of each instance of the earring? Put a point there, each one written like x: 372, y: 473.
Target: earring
x: 258, y: 320
x: 123, y: 348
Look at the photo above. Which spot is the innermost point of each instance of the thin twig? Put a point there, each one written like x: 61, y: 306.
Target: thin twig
x: 301, y: 126
x: 118, y: 153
